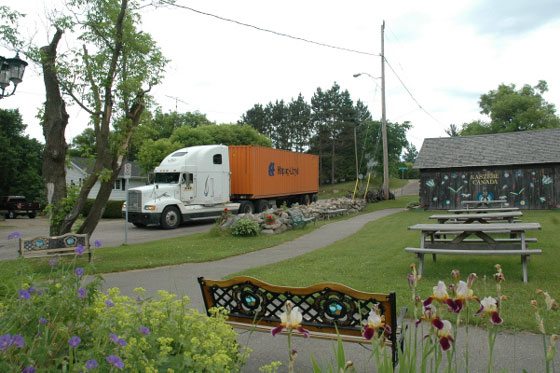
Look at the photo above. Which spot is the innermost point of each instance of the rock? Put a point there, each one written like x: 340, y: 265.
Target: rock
x: 267, y: 231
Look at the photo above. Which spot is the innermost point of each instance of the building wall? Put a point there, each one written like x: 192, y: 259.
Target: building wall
x: 118, y: 192
x: 528, y: 187
x: 75, y: 176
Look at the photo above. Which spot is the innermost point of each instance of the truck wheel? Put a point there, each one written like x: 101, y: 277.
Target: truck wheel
x: 262, y: 205
x: 170, y: 219
x: 32, y: 215
x: 246, y: 207
x: 305, y: 200
x: 11, y: 215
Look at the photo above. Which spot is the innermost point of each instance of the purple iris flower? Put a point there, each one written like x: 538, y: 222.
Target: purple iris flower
x: 18, y: 341
x: 52, y: 263
x: 122, y: 342
x: 14, y: 235
x: 97, y: 243
x: 29, y: 369
x: 115, y: 361
x: 91, y: 364
x: 74, y: 341
x: 79, y: 250
x: 79, y: 271
x: 113, y: 337
x: 31, y: 289
x: 24, y: 294
x: 81, y: 292
x: 109, y: 303
x: 5, y: 341
x: 144, y: 330
x: 42, y: 320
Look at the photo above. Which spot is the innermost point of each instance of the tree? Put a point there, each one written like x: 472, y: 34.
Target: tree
x: 83, y: 145
x: 333, y: 116
x: 109, y: 76
x: 159, y: 125
x: 257, y: 118
x: 452, y: 130
x: 410, y: 154
x: 287, y: 125
x: 513, y: 110
x: 152, y: 152
x: 299, y: 124
x: 20, y: 158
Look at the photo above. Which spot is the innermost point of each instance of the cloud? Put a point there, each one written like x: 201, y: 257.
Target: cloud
x: 511, y: 18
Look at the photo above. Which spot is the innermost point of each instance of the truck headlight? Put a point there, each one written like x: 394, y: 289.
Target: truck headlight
x: 124, y: 206
x: 149, y: 207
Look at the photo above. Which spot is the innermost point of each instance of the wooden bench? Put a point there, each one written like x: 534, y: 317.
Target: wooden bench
x: 298, y: 219
x: 41, y: 246
x: 333, y: 212
x: 329, y: 310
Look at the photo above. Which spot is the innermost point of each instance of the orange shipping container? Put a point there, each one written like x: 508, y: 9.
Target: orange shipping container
x: 258, y: 172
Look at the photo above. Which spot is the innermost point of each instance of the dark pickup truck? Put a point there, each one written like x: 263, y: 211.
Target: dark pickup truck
x: 12, y: 206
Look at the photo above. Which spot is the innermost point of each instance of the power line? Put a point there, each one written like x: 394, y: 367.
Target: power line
x: 411, y: 95
x: 277, y: 33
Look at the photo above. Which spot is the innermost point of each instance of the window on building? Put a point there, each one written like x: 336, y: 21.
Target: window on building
x: 117, y: 184
x: 217, y: 159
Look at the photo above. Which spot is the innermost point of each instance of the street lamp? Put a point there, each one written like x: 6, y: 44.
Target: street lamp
x: 11, y: 70
x: 383, y: 134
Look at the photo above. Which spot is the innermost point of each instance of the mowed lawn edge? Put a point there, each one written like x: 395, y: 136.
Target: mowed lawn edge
x: 374, y: 260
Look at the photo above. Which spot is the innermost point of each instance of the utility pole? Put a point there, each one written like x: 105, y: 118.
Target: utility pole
x: 356, y: 150
x: 383, y: 118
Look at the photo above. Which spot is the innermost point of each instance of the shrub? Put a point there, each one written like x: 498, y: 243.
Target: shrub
x: 65, y: 323
x: 245, y: 228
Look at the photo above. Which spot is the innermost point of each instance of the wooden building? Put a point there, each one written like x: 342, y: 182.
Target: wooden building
x: 520, y: 167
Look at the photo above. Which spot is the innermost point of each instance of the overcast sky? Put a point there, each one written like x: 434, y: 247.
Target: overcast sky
x: 446, y: 54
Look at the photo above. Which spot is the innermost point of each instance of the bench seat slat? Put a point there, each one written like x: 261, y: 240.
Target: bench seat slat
x: 472, y: 252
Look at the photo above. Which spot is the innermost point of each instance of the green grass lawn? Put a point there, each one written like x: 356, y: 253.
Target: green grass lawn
x: 374, y: 260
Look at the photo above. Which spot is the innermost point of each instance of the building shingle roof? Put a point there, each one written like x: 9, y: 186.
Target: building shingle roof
x: 511, y: 148
x: 86, y: 165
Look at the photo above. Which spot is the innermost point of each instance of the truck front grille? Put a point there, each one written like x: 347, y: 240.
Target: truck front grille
x: 134, y: 201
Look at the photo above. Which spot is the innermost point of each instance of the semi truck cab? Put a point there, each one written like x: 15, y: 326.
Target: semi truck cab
x: 189, y: 184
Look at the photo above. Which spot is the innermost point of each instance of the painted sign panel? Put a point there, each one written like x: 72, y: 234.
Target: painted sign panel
x: 524, y: 187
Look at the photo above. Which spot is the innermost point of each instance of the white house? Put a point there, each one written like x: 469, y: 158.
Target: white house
x: 78, y: 169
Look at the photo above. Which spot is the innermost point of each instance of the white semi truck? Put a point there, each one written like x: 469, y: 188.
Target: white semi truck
x: 200, y: 182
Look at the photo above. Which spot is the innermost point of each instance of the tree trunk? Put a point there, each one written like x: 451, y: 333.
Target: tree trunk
x: 54, y: 126
x: 117, y: 161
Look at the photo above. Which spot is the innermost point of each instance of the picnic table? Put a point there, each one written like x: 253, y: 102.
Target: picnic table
x: 484, y: 218
x: 488, y: 203
x: 483, y: 210
x: 484, y: 243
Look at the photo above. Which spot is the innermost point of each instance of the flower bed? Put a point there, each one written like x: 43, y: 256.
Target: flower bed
x: 65, y: 323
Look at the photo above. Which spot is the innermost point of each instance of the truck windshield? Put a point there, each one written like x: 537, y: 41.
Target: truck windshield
x: 167, y: 178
